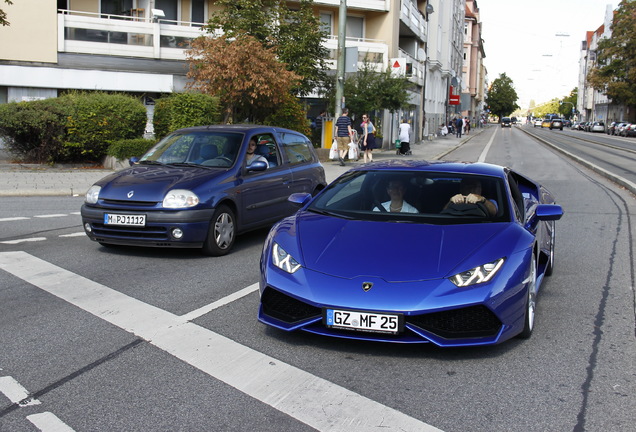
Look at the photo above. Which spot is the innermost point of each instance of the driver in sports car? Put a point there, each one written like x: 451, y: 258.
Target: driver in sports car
x: 470, y: 193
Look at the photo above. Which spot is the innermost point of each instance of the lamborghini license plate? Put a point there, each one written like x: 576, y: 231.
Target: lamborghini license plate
x: 363, y: 321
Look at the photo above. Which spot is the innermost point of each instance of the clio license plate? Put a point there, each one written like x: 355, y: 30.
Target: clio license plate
x: 124, y: 219
x: 363, y: 321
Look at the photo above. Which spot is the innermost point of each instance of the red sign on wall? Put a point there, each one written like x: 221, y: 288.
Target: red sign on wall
x: 453, y: 99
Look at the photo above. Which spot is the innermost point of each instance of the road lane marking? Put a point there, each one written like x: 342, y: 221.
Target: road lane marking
x: 9, y: 219
x: 484, y: 153
x: 314, y: 401
x: 26, y: 240
x: 49, y: 422
x: 222, y: 302
x: 51, y: 215
x: 77, y: 234
x: 14, y: 391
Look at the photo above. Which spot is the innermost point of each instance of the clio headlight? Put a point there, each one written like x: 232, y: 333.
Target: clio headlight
x: 283, y: 260
x: 180, y: 198
x: 477, y: 275
x: 93, y: 194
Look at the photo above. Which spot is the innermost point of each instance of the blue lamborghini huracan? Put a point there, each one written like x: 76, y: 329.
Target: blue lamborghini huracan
x: 412, y: 252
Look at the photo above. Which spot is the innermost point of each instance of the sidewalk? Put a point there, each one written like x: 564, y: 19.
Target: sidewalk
x: 44, y: 180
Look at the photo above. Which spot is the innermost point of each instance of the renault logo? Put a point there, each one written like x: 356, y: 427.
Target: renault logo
x: 366, y: 286
x: 130, y: 194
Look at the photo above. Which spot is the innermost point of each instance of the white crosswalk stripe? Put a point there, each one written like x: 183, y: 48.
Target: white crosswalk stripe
x: 314, y: 401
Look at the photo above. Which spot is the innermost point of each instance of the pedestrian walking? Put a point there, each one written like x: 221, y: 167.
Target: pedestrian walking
x: 344, y: 133
x: 405, y: 137
x: 466, y: 125
x: 368, y: 140
x: 459, y: 125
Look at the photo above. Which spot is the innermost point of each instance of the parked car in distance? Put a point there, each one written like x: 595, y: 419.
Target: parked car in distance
x: 575, y: 125
x: 611, y: 128
x: 537, y: 122
x: 618, y: 129
x: 597, y: 126
x: 556, y: 123
x: 546, y: 122
x: 506, y: 122
x: 196, y: 189
x: 462, y: 275
x: 630, y: 130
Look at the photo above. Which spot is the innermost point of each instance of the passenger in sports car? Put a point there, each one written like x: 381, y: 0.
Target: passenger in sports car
x: 470, y: 193
x: 396, y: 204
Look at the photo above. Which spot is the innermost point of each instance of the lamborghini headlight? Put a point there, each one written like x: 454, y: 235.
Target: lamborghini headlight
x: 283, y: 260
x: 478, y: 275
x: 180, y: 198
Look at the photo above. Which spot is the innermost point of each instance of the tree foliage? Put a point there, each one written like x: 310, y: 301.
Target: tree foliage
x: 3, y: 15
x: 247, y: 77
x: 615, y: 70
x: 368, y: 90
x: 568, y: 105
x: 294, y: 34
x: 180, y: 110
x: 502, y: 96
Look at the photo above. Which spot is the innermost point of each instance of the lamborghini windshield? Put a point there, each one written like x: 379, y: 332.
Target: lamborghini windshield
x: 416, y: 197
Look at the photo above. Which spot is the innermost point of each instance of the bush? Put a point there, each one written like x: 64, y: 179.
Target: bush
x: 97, y: 120
x: 181, y: 110
x: 76, y: 127
x: 290, y: 114
x: 34, y: 131
x: 125, y: 149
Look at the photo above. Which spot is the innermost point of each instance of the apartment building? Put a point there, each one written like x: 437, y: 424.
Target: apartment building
x: 473, y: 70
x: 444, y: 78
x: 137, y: 46
x: 594, y: 105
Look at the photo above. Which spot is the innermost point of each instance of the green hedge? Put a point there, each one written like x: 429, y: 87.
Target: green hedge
x: 180, y: 110
x: 98, y: 119
x: 76, y: 127
x: 125, y: 149
x: 290, y: 114
x: 34, y: 131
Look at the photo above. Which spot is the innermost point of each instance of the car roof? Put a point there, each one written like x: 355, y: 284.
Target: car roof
x: 477, y: 168
x: 241, y: 128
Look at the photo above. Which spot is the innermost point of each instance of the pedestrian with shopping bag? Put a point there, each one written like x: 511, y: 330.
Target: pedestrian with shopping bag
x: 344, y: 132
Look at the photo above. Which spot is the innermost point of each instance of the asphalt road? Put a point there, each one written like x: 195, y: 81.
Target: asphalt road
x: 133, y: 339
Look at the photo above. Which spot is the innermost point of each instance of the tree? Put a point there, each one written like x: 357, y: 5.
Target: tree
x: 502, y: 96
x: 3, y: 15
x: 568, y: 104
x: 368, y: 90
x: 295, y: 35
x: 247, y: 77
x: 615, y: 70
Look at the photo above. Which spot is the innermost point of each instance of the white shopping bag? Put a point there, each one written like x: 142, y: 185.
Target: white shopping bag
x: 353, y: 151
x: 333, y: 153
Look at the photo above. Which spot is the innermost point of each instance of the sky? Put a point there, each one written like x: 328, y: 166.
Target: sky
x: 520, y: 40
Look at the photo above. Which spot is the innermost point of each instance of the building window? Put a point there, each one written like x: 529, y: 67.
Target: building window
x: 355, y: 27
x: 169, y: 8
x: 326, y: 23
x: 198, y: 11
x: 116, y: 7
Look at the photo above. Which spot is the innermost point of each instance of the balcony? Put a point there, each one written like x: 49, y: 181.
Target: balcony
x: 412, y: 18
x: 93, y: 33
x: 367, y: 5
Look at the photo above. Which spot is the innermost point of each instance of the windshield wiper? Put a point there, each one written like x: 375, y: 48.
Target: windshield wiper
x: 150, y: 162
x: 190, y: 164
x: 329, y: 213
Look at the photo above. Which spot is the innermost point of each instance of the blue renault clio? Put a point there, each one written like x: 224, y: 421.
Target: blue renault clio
x: 195, y: 188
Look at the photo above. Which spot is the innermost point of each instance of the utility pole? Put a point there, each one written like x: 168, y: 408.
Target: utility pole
x: 340, y: 74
